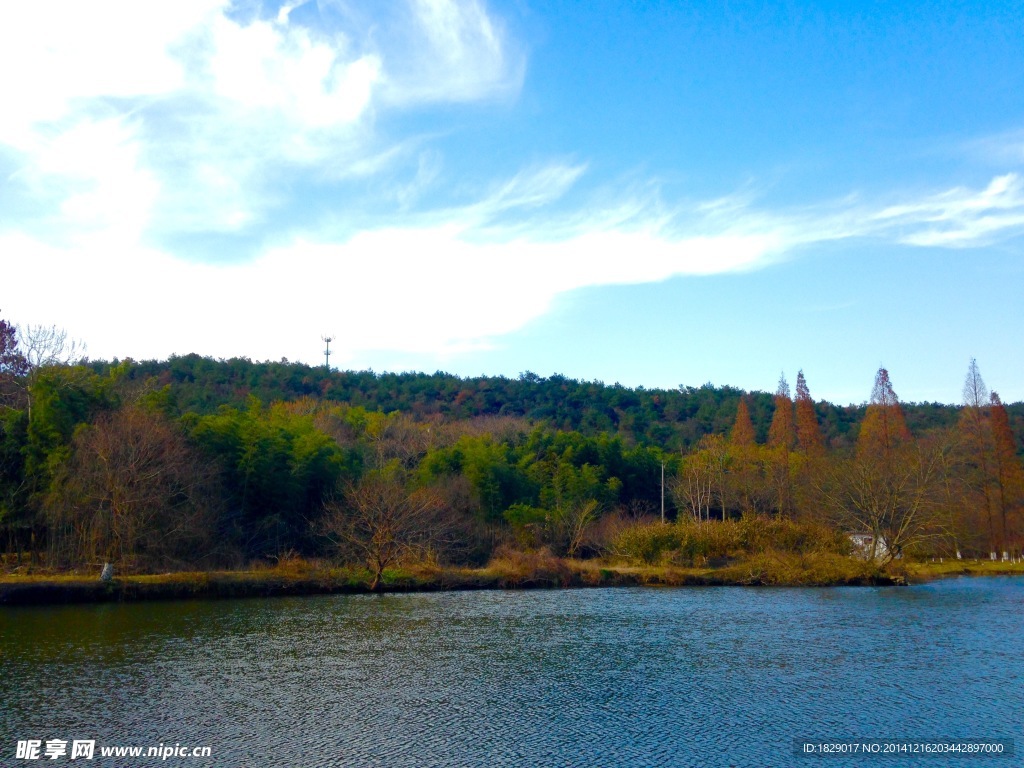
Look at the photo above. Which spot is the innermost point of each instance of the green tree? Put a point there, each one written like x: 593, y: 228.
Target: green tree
x: 15, y: 518
x: 13, y: 365
x: 277, y: 468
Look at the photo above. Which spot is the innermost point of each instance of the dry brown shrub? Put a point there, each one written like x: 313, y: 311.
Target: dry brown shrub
x: 515, y: 567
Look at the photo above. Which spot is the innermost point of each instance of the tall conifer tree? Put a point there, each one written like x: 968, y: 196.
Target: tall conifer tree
x: 975, y: 428
x: 743, y: 427
x: 884, y: 426
x: 808, y: 435
x: 781, y: 433
x: 781, y: 440
x: 1009, y: 474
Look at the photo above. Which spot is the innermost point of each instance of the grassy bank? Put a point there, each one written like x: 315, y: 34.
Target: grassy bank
x: 512, y: 571
x: 936, y: 570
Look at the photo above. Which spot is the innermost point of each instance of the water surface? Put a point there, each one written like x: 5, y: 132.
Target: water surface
x: 598, y: 677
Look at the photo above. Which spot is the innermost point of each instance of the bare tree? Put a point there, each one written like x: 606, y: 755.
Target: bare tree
x: 898, y: 497
x: 132, y: 492
x: 692, y: 488
x: 45, y: 346
x: 572, y: 524
x: 975, y: 392
x: 48, y: 345
x: 380, y: 521
x: 703, y: 478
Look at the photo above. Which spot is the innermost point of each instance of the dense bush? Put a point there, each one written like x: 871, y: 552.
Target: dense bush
x: 689, y: 542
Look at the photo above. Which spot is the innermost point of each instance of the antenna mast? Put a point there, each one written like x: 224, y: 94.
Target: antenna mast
x: 327, y: 352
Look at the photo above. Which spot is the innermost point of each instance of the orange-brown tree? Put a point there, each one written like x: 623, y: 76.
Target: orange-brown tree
x: 977, y: 467
x: 743, y: 428
x: 1008, y: 475
x: 884, y: 426
x: 781, y: 441
x: 893, y: 485
x: 746, y: 479
x: 781, y: 433
x: 132, y: 492
x: 808, y: 434
x: 808, y: 463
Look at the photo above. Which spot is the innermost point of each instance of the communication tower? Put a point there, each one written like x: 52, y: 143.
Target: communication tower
x: 327, y: 352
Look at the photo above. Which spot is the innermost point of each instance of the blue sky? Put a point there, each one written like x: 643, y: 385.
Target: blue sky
x: 650, y: 193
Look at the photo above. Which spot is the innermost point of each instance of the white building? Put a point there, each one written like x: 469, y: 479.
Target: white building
x: 864, y: 544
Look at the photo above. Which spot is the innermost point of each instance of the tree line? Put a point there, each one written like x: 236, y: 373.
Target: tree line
x: 672, y: 419
x: 199, y: 463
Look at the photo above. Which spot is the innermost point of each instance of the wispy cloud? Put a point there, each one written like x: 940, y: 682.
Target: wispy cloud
x: 959, y: 217
x: 1000, y: 150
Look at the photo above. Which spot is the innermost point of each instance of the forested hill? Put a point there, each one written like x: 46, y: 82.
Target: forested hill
x: 673, y: 419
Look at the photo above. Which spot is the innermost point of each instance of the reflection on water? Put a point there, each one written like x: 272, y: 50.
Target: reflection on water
x: 616, y: 677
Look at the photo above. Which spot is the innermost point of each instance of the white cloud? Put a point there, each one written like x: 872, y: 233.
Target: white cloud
x: 960, y: 217
x: 433, y: 286
x: 414, y: 290
x: 530, y: 189
x: 281, y: 69
x: 210, y: 109
x: 58, y: 57
x: 452, y: 51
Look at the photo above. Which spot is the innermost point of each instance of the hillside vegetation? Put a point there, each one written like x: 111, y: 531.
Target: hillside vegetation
x: 198, y: 463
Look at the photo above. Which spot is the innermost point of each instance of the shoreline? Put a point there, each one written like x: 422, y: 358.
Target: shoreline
x: 61, y: 590
x: 553, y: 574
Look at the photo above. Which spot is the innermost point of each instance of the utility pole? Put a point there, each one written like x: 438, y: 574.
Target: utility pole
x: 327, y: 352
x: 663, y: 491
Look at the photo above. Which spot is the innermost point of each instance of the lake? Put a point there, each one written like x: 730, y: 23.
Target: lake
x: 588, y: 677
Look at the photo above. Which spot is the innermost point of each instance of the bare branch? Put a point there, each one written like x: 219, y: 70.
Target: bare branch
x: 381, y: 521
x: 49, y: 345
